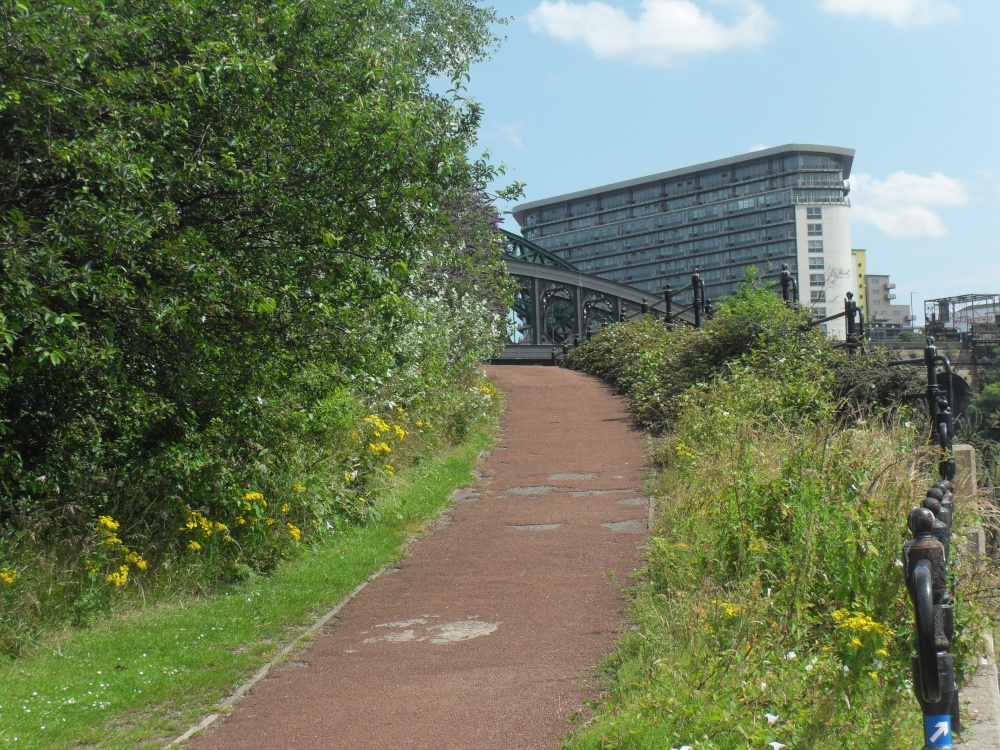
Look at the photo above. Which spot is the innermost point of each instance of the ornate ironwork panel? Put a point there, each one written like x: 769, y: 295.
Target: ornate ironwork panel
x: 521, y: 318
x: 558, y: 309
x: 598, y: 310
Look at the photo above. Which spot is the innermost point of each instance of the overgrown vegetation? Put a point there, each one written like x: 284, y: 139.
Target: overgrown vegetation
x: 772, y: 609
x: 144, y: 676
x: 246, y: 265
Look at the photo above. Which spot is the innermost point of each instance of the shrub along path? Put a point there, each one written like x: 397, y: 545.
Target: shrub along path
x: 486, y: 636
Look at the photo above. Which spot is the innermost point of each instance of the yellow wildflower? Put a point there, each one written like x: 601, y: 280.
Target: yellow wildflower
x: 883, y: 653
x: 135, y: 560
x: 91, y: 567
x: 119, y: 578
x: 728, y: 609
x: 348, y: 478
x: 253, y: 496
x: 873, y: 675
x: 420, y: 423
x: 294, y: 531
x: 111, y: 540
x: 194, y: 546
x: 8, y: 576
x: 860, y: 622
x: 856, y: 642
x: 270, y: 522
x: 285, y: 508
x: 108, y: 522
x: 298, y: 487
x: 240, y: 520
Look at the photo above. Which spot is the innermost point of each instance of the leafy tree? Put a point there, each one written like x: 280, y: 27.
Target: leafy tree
x: 199, y: 197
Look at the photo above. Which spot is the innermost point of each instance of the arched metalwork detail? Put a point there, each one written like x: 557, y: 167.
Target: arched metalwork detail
x: 518, y: 248
x: 558, y: 304
x: 598, y: 310
x: 521, y: 319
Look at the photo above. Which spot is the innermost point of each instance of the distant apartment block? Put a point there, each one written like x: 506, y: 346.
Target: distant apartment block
x: 882, y: 311
x: 782, y: 205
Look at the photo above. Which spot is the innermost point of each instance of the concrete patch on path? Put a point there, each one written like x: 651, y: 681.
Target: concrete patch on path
x: 631, y: 525
x: 534, y: 526
x: 541, y: 489
x: 420, y: 631
x: 571, y: 477
x: 595, y: 493
x: 634, y: 501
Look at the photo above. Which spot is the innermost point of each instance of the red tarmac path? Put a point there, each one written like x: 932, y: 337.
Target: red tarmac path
x: 486, y: 636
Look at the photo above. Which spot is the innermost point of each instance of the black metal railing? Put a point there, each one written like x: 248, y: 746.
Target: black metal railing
x: 925, y: 561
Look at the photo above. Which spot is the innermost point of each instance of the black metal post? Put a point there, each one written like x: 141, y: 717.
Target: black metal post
x: 850, y: 311
x: 644, y: 308
x: 933, y: 666
x: 667, y: 301
x: 698, y: 298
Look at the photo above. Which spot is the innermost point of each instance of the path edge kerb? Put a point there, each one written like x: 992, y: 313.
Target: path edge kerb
x: 228, y: 702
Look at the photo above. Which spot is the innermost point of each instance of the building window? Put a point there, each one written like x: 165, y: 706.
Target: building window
x: 814, y: 213
x: 815, y: 246
x: 817, y: 279
x: 815, y: 230
x: 819, y: 312
x: 817, y: 296
x: 816, y: 262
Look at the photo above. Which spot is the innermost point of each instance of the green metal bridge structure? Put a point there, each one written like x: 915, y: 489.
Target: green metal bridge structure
x: 557, y: 305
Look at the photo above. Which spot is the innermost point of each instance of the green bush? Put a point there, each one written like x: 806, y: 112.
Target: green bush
x: 772, y: 607
x: 232, y: 237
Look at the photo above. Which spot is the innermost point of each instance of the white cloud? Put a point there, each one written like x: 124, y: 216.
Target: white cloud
x: 903, y: 205
x: 512, y: 133
x: 665, y: 30
x: 900, y: 13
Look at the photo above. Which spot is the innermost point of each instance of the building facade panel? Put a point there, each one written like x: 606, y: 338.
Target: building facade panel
x: 785, y: 205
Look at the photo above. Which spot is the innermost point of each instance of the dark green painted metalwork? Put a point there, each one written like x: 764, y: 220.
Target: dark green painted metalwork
x: 518, y: 248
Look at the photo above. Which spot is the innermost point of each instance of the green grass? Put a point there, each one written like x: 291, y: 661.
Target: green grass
x: 144, y: 677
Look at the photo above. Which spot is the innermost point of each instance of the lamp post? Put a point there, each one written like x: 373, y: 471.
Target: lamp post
x: 912, y: 319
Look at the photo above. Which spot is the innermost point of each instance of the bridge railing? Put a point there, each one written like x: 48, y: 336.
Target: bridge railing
x: 926, y: 559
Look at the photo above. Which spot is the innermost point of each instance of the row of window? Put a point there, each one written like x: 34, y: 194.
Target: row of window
x: 775, y: 252
x: 732, y: 215
x: 673, y: 200
x: 779, y: 224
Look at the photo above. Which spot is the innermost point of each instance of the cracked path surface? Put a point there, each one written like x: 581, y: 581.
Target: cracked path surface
x: 485, y: 637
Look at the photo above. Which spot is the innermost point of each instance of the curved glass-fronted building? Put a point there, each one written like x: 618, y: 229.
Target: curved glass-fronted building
x: 782, y: 205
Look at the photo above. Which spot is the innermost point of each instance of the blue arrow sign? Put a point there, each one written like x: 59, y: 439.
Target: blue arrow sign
x: 937, y: 731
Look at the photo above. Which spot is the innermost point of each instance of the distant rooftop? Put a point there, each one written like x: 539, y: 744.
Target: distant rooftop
x: 846, y: 153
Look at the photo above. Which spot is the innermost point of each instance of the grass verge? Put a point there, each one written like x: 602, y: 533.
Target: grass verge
x: 142, y: 678
x: 772, y: 612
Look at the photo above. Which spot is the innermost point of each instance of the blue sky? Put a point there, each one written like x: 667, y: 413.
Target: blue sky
x: 587, y: 92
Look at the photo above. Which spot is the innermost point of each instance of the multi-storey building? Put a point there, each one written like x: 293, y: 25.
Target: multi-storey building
x: 884, y: 314
x: 782, y: 205
x: 860, y: 265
